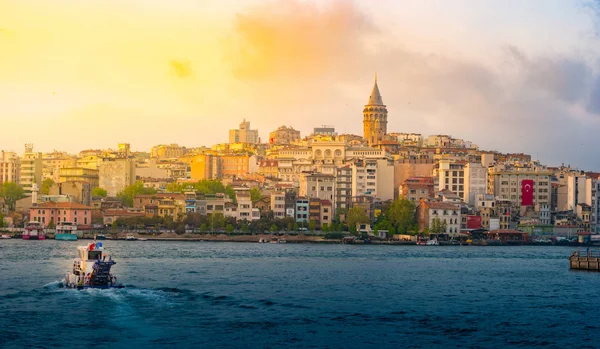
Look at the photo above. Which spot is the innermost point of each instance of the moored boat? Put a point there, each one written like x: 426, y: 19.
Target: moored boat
x: 130, y: 237
x: 92, y: 269
x: 66, y: 231
x: 4, y: 236
x: 34, y: 231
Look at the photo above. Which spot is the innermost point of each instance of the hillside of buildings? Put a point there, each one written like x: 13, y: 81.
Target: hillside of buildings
x: 395, y: 183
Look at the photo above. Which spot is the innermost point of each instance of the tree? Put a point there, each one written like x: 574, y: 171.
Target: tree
x: 255, y: 195
x: 325, y: 227
x: 273, y: 228
x: 383, y: 223
x: 51, y: 224
x: 2, y: 225
x: 356, y: 215
x: 229, y: 228
x: 438, y: 226
x: 312, y: 225
x: 11, y: 192
x: 129, y: 193
x: 203, y: 228
x: 99, y: 192
x: 402, y: 215
x: 46, y: 184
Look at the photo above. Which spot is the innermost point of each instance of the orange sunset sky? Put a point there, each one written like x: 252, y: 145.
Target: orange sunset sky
x: 508, y: 75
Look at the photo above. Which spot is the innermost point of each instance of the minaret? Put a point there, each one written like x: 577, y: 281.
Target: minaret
x: 375, y: 117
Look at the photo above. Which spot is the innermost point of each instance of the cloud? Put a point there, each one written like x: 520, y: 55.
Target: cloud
x: 181, y: 69
x: 297, y: 39
x: 541, y: 104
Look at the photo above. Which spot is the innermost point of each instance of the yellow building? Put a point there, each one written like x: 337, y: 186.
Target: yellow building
x: 204, y: 166
x: 164, y: 151
x: 89, y: 161
x: 79, y: 174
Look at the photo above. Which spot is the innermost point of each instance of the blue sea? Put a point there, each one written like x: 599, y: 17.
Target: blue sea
x: 245, y: 295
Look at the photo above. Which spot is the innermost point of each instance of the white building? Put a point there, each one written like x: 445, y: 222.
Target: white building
x: 31, y: 168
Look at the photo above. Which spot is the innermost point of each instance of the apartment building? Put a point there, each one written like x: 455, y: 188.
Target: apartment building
x: 446, y: 212
x: 278, y: 205
x: 505, y: 181
x: 416, y: 189
x: 9, y: 167
x: 284, y: 135
x: 30, y: 169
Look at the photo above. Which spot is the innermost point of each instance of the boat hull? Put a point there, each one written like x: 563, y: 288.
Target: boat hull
x: 33, y: 237
x: 100, y: 287
x: 66, y: 237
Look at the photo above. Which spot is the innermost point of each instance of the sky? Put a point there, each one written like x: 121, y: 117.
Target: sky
x: 508, y: 75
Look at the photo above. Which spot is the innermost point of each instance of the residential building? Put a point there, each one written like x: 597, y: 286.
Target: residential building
x: 318, y: 186
x: 30, y: 169
x: 60, y: 212
x: 233, y: 165
x: 167, y: 151
x: 79, y: 174
x: 343, y: 188
x: 446, y: 212
x: 302, y: 205
x: 373, y: 178
x: 9, y: 167
x: 112, y: 215
x: 326, y: 213
x: 268, y: 168
x: 205, y: 166
x: 244, y: 134
x: 115, y: 174
x: 505, y: 182
x: 475, y: 180
x: 278, y: 205
x: 53, y: 162
x: 284, y: 136
x: 450, y: 175
x: 244, y: 204
x: 416, y: 189
x: 80, y: 191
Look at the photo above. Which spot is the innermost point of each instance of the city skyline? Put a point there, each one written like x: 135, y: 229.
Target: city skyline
x: 520, y: 78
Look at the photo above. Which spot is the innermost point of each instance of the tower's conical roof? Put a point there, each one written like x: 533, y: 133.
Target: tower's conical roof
x: 375, y: 98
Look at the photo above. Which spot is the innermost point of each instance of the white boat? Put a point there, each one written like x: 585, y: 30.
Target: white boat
x: 130, y: 237
x: 66, y: 231
x: 4, y: 236
x: 92, y: 269
x: 432, y: 242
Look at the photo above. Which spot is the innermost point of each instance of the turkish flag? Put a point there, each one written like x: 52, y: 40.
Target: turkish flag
x: 527, y: 192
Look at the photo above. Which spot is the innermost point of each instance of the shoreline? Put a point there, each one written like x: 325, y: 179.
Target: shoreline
x: 291, y: 238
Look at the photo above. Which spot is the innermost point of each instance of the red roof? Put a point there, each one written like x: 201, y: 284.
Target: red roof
x: 69, y: 205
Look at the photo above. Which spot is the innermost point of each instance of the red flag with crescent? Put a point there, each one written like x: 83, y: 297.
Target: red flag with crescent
x: 527, y: 192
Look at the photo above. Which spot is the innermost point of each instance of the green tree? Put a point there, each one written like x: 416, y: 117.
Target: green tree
x: 11, y: 192
x: 273, y: 228
x: 229, y: 228
x: 99, y: 192
x: 46, y: 184
x: 312, y: 225
x: 438, y: 226
x: 129, y: 193
x: 325, y: 227
x: 384, y: 224
x: 203, y: 227
x: 255, y: 195
x: 2, y: 224
x: 402, y: 215
x: 356, y: 215
x: 51, y: 224
x: 296, y: 227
